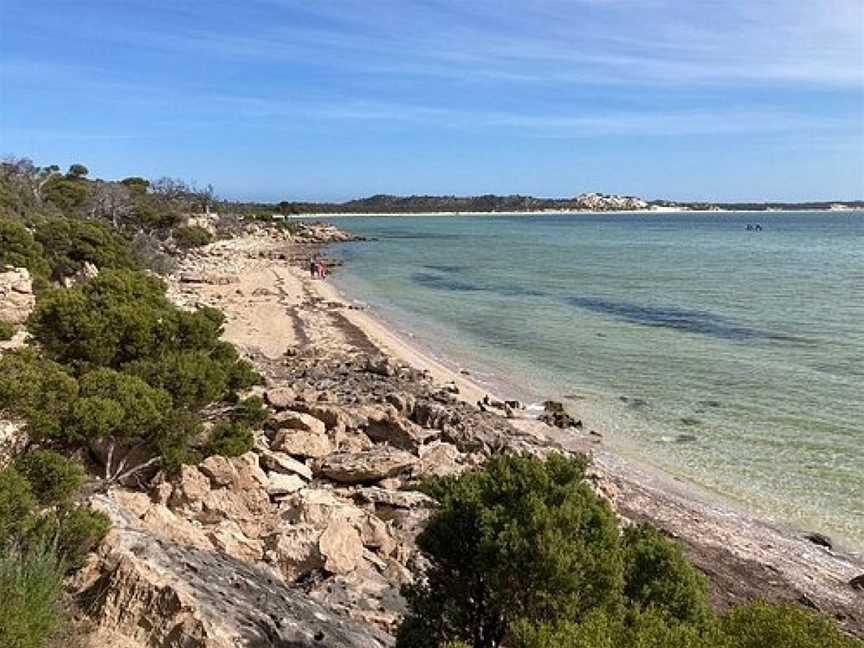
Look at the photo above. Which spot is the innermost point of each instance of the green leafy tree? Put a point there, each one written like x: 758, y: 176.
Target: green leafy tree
x: 521, y: 538
x: 77, y: 171
x: 136, y: 184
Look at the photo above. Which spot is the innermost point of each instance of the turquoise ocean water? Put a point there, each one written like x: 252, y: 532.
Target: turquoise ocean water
x: 731, y: 358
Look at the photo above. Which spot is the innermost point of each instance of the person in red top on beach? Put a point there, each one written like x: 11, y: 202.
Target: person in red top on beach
x: 322, y: 270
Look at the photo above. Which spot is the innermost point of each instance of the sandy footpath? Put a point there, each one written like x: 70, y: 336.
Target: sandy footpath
x: 272, y: 306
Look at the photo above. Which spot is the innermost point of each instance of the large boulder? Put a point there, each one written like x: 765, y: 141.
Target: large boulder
x: 389, y: 427
x: 293, y: 549
x: 341, y: 546
x: 368, y: 466
x: 281, y: 397
x: 280, y: 484
x: 16, y: 295
x: 301, y: 443
x: 281, y: 462
x: 289, y: 420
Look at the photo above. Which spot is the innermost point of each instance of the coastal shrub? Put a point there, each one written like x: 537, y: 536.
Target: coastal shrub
x: 119, y: 316
x: 71, y: 242
x: 53, y: 478
x: 7, y: 331
x: 37, y: 390
x: 520, y: 538
x: 19, y: 249
x: 68, y: 194
x: 16, y: 507
x: 657, y: 575
x: 192, y: 236
x: 230, y: 439
x: 30, y: 588
x: 250, y: 411
x: 73, y: 533
x: 782, y: 626
x: 602, y: 629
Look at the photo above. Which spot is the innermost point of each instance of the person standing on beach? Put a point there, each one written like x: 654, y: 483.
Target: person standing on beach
x: 322, y: 270
x: 313, y: 268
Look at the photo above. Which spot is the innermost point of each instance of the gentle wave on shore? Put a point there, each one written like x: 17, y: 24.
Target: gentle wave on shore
x: 729, y: 357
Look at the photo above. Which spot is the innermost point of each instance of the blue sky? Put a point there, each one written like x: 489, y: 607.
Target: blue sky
x: 331, y: 99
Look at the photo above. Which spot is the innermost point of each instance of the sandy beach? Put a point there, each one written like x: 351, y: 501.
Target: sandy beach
x: 274, y: 307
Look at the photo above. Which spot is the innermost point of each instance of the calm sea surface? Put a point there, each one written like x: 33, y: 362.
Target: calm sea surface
x: 734, y: 359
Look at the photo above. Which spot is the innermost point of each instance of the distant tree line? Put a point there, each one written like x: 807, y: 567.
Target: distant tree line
x: 388, y: 204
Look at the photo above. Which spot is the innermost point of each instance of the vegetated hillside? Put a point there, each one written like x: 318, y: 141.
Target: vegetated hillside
x: 113, y: 382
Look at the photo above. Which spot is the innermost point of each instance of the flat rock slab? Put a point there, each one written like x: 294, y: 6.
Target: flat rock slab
x: 367, y: 466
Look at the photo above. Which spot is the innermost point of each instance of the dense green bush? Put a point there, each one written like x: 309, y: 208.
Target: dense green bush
x: 53, y: 478
x: 36, y: 390
x: 66, y: 193
x: 16, y: 507
x: 73, y: 532
x: 141, y: 364
x: 656, y: 574
x: 782, y: 626
x: 70, y: 242
x: 521, y: 538
x: 7, y: 331
x: 115, y: 318
x: 600, y: 629
x: 30, y: 586
x: 19, y: 249
x: 523, y: 554
x: 230, y: 439
x: 192, y: 236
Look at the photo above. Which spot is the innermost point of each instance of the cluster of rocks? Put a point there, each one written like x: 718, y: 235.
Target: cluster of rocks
x: 325, y: 506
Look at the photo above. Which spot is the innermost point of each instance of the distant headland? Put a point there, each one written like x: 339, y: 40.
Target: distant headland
x: 490, y: 203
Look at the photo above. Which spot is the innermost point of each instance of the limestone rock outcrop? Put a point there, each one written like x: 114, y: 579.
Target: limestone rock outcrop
x: 16, y: 295
x: 162, y: 593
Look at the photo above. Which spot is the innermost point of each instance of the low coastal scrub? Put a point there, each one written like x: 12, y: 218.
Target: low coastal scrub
x: 123, y: 372
x: 44, y: 533
x: 7, y: 331
x: 192, y: 236
x: 524, y: 554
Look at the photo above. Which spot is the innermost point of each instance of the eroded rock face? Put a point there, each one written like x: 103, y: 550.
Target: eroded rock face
x: 16, y: 295
x: 159, y: 593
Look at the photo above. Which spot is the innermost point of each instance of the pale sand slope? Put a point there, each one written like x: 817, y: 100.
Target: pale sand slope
x: 271, y: 307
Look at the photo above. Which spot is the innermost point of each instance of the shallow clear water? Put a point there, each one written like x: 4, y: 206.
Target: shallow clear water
x: 732, y: 358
